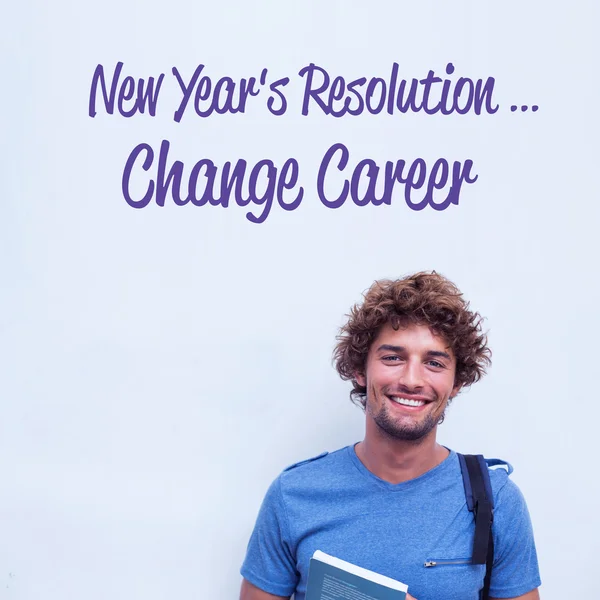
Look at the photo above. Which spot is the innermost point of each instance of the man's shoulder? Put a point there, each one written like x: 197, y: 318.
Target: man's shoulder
x: 316, y: 467
x: 306, y: 461
x: 499, y: 471
x: 325, y: 460
x: 506, y: 492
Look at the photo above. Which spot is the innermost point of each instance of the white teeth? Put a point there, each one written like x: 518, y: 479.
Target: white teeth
x: 407, y: 402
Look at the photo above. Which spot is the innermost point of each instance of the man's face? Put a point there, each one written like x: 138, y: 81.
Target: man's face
x: 409, y: 378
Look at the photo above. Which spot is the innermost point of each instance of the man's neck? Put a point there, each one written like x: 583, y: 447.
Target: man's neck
x: 395, y: 460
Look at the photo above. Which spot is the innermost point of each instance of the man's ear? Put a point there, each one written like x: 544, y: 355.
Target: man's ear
x: 360, y: 379
x: 455, y: 391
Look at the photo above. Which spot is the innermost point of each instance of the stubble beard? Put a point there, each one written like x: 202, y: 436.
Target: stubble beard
x: 414, y: 431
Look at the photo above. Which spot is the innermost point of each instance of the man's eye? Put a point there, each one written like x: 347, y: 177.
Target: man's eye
x: 435, y: 363
x: 391, y: 358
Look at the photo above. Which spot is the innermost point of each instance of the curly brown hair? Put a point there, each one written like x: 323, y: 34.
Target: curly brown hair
x: 423, y: 299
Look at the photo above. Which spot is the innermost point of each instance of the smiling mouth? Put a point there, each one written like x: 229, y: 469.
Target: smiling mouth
x: 414, y: 403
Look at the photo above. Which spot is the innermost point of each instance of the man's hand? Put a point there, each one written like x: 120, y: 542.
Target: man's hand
x: 251, y: 592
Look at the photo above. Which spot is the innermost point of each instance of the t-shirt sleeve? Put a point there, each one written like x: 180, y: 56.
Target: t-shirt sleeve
x: 515, y: 570
x: 269, y: 562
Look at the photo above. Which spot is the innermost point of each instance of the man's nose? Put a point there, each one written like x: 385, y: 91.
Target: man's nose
x: 412, y: 375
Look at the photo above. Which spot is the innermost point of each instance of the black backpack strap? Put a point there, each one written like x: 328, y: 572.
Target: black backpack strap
x: 480, y: 501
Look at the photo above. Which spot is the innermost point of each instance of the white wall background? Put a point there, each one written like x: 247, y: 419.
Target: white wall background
x: 159, y: 367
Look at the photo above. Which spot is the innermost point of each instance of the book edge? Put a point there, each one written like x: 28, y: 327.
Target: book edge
x: 360, y: 571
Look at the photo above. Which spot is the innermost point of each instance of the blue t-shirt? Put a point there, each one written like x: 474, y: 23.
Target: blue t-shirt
x: 335, y: 504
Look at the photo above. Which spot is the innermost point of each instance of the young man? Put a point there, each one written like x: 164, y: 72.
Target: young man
x: 395, y: 502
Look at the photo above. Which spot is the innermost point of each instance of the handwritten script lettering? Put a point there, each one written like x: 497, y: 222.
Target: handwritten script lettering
x: 154, y: 176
